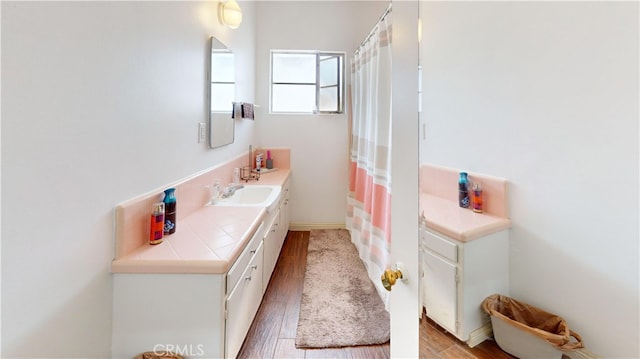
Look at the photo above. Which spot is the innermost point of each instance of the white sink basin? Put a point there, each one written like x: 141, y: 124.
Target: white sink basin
x: 252, y: 196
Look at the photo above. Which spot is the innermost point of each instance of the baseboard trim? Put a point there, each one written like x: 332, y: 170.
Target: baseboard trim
x: 479, y: 335
x: 310, y: 226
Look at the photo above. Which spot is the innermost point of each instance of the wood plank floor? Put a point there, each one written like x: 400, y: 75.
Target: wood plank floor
x: 273, y: 332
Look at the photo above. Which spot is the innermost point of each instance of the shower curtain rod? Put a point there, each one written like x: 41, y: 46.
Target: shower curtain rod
x: 386, y: 12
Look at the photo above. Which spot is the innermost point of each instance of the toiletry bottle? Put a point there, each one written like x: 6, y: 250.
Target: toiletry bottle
x: 269, y: 160
x: 463, y: 190
x: 258, y: 162
x: 157, y: 223
x: 476, y: 198
x: 236, y: 175
x: 215, y: 192
x: 170, y: 211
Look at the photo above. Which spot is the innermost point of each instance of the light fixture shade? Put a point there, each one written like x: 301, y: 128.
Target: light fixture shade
x: 230, y: 14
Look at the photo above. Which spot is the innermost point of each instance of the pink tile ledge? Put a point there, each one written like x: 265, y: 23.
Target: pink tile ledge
x: 443, y: 182
x: 461, y: 224
x: 207, y: 242
x: 439, y: 204
x: 277, y: 177
x: 132, y: 216
x: 208, y: 238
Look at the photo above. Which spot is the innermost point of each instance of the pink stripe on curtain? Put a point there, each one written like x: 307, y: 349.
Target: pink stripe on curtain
x: 374, y: 197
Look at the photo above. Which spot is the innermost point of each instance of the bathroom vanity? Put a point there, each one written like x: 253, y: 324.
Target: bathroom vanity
x: 464, y: 256
x: 198, y: 292
x: 277, y: 225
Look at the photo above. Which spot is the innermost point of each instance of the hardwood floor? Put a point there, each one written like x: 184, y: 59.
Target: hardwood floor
x: 273, y: 331
x: 436, y: 342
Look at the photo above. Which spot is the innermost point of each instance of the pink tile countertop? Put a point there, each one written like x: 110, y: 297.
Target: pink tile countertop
x: 461, y: 224
x: 208, y: 241
x: 277, y: 177
x: 439, y: 204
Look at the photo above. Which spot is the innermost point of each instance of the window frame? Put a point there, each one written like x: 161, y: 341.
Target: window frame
x: 341, y: 85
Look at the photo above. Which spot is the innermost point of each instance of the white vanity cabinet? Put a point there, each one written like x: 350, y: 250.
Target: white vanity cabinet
x: 197, y: 293
x: 196, y: 315
x: 458, y: 276
x: 271, y: 248
x: 277, y: 228
x: 283, y: 227
x: 242, y: 303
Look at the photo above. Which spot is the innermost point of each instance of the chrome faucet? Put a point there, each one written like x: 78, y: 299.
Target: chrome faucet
x: 231, y: 189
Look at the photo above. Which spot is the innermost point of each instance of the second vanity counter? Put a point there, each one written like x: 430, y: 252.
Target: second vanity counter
x: 439, y: 204
x: 208, y: 241
x: 462, y: 224
x: 464, y: 255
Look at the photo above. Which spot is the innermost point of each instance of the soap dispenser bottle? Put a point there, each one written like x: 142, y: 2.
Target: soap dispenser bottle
x: 216, y: 191
x: 169, y: 211
x: 463, y: 190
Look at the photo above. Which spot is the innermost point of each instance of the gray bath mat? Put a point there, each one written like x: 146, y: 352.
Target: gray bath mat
x: 340, y: 306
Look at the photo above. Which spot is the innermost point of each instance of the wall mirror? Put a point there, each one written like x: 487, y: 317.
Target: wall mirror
x: 221, y: 94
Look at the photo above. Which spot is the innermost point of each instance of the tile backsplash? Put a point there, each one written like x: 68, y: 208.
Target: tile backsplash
x: 192, y: 193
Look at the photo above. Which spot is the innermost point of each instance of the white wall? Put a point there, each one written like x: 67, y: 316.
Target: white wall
x: 319, y: 143
x: 100, y: 103
x: 545, y: 94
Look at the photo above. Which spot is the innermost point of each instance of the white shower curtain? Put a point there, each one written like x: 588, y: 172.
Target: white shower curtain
x: 369, y: 199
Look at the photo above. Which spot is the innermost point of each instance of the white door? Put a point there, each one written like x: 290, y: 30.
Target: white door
x: 404, y: 303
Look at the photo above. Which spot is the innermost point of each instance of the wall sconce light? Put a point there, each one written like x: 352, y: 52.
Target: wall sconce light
x: 230, y: 14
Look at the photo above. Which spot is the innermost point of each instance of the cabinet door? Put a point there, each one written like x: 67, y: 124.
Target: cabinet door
x: 284, y: 212
x: 271, y: 251
x: 242, y: 304
x: 238, y: 268
x: 441, y: 291
x: 283, y: 226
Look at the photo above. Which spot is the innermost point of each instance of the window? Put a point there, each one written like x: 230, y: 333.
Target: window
x: 307, y: 82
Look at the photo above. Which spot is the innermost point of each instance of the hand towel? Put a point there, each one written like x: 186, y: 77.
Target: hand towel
x: 247, y: 110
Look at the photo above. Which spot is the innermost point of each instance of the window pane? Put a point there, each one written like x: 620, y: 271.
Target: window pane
x: 222, y: 96
x: 293, y: 98
x: 222, y: 67
x: 294, y: 68
x: 328, y: 100
x: 328, y: 70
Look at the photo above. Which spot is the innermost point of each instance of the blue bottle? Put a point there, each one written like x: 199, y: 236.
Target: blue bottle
x: 463, y: 190
x: 169, y: 211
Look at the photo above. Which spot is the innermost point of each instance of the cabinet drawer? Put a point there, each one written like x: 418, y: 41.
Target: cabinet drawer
x: 241, y: 263
x: 443, y: 247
